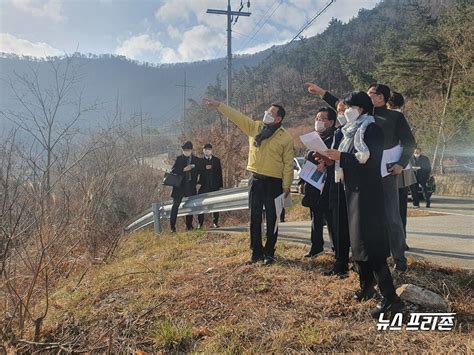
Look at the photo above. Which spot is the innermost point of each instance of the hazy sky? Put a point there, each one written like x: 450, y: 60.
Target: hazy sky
x: 158, y: 31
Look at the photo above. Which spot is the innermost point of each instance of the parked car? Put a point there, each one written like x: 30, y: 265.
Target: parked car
x: 298, y: 163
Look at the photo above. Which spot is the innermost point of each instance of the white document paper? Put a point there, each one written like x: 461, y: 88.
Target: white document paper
x: 279, y: 205
x: 314, y: 142
x: 391, y: 156
x: 312, y: 176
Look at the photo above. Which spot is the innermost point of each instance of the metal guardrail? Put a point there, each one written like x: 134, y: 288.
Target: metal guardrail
x: 218, y: 201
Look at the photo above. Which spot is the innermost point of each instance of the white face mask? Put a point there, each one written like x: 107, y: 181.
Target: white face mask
x: 267, y: 118
x: 416, y: 155
x: 351, y: 114
x: 342, y: 119
x: 187, y: 153
x: 319, y: 126
x: 207, y: 152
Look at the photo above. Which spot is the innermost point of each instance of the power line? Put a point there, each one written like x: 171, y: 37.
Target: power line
x: 263, y: 24
x: 229, y: 13
x: 310, y: 22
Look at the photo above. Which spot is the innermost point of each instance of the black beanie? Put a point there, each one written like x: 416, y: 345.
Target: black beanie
x: 208, y: 146
x: 187, y: 145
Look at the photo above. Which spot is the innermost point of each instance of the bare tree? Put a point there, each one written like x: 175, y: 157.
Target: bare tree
x: 48, y: 113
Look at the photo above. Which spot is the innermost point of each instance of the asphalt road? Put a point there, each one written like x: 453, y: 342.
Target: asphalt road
x: 446, y: 238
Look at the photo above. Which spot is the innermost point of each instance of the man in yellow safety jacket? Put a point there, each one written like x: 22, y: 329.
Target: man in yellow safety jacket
x: 271, y: 163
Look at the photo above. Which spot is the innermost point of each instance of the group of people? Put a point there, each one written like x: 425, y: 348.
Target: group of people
x: 205, y: 171
x: 360, y: 207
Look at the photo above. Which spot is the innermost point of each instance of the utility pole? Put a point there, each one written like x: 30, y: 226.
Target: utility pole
x: 184, y: 86
x: 229, y: 13
x: 142, y: 148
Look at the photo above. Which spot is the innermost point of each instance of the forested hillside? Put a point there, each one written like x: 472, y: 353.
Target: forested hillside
x: 422, y: 49
x: 152, y: 89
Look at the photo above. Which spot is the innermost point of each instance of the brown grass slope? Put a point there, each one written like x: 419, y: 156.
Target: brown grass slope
x: 192, y: 292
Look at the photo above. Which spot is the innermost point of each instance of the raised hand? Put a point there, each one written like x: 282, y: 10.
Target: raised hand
x: 315, y: 89
x: 210, y: 102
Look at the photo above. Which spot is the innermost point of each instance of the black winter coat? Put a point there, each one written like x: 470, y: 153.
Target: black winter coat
x: 394, y: 125
x: 336, y: 190
x: 210, y: 179
x: 190, y: 178
x: 423, y: 174
x: 364, y: 197
x: 319, y: 199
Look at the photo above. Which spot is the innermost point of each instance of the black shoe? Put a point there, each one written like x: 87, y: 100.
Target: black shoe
x: 173, y: 230
x: 312, y: 254
x: 428, y: 204
x: 400, y: 268
x: 365, y: 294
x: 407, y: 247
x: 189, y: 228
x: 340, y: 269
x: 391, y: 307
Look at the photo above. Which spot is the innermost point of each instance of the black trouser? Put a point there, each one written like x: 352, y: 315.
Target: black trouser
x: 403, y: 201
x: 174, y: 214
x: 341, y: 236
x: 376, y: 273
x: 318, y: 217
x: 215, y: 215
x: 215, y: 218
x: 414, y: 193
x: 263, y: 192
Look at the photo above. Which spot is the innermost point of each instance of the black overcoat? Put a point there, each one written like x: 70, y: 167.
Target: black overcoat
x: 210, y: 179
x: 365, y: 200
x: 423, y: 174
x: 190, y: 178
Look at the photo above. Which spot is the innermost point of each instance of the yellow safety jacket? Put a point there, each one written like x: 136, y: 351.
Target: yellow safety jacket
x: 274, y: 157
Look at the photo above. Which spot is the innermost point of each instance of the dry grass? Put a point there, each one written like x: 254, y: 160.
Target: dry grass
x: 297, y: 212
x: 419, y: 212
x: 192, y: 292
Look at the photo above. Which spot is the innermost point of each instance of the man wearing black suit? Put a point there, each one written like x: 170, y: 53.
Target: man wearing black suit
x: 210, y: 179
x: 423, y: 171
x: 188, y: 166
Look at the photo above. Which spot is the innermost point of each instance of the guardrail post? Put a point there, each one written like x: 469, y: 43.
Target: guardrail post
x: 156, y: 216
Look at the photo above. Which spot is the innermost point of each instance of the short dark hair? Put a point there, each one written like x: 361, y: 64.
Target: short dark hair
x: 418, y: 148
x: 360, y: 99
x: 396, y: 100
x: 332, y: 116
x: 381, y: 89
x: 281, y: 111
